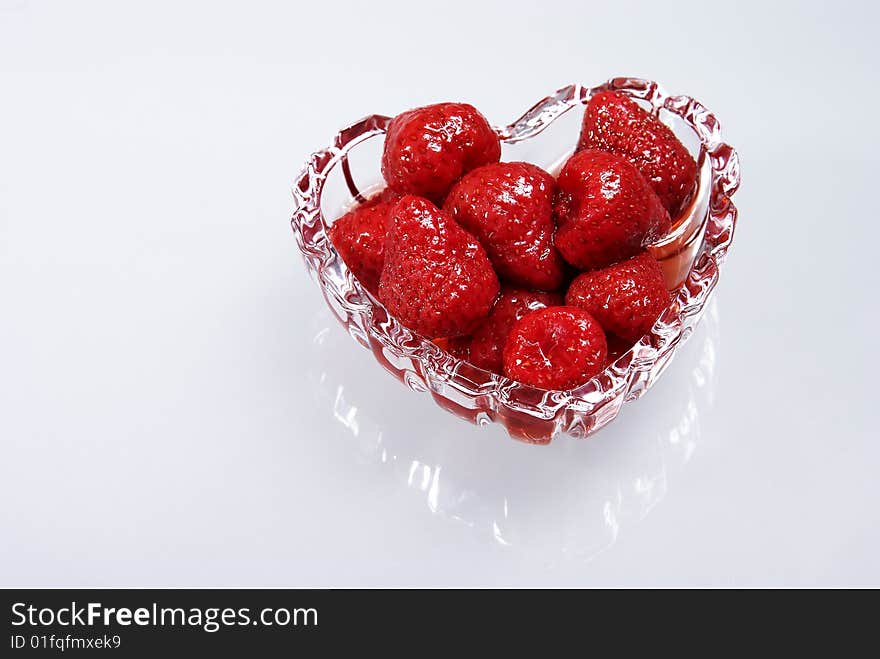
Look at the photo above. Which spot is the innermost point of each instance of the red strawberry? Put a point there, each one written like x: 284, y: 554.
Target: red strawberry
x: 359, y: 237
x: 488, y: 341
x: 555, y: 348
x: 616, y: 348
x: 613, y: 122
x: 429, y: 148
x: 437, y: 278
x: 508, y: 206
x: 626, y: 298
x: 457, y: 346
x: 605, y: 210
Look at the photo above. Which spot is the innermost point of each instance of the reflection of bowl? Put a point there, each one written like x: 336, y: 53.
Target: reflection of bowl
x: 327, y: 185
x: 568, y: 503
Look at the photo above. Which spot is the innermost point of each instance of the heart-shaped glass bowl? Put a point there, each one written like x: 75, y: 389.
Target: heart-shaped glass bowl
x: 345, y: 173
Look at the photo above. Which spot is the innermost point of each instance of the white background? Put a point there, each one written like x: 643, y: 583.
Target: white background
x: 177, y: 406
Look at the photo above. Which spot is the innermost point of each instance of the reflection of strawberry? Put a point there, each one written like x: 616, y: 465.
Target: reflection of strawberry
x: 437, y: 278
x: 429, y: 148
x: 626, y: 298
x: 605, y: 210
x: 488, y: 341
x: 615, y: 123
x: 359, y: 237
x: 508, y: 206
x: 555, y: 348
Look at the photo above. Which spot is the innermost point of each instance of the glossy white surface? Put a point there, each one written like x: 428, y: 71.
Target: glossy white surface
x: 178, y: 407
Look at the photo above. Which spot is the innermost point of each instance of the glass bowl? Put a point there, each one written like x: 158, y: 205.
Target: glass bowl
x: 348, y: 171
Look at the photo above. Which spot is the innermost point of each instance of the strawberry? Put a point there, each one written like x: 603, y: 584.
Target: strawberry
x: 605, y: 211
x: 613, y: 122
x: 359, y: 237
x: 616, y: 348
x: 626, y: 298
x: 508, y: 206
x: 555, y: 348
x: 429, y: 148
x: 487, y: 343
x: 457, y: 346
x: 436, y: 278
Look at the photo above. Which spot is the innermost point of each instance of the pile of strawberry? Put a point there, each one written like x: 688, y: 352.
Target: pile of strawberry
x: 543, y: 280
